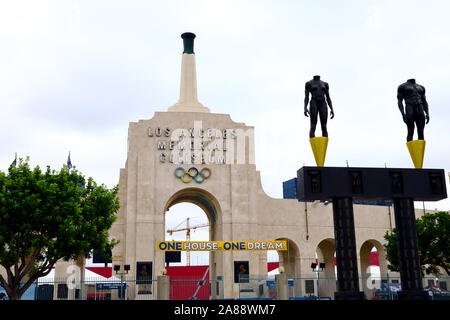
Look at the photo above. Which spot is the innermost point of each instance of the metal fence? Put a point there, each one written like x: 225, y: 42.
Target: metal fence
x: 310, y: 287
x: 181, y: 288
x: 95, y: 289
x: 323, y: 287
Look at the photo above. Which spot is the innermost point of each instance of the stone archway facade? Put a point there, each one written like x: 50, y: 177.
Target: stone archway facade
x: 232, y: 197
x: 367, y: 281
x: 326, y: 254
x: 188, y: 136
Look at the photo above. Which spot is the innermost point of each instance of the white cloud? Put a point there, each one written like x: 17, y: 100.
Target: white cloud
x: 373, y: 17
x: 73, y: 74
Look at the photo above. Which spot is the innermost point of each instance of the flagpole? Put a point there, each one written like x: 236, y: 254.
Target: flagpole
x: 14, y: 163
x: 69, y: 162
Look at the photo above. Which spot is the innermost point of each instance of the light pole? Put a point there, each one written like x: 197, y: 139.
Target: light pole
x: 313, y: 267
x: 126, y: 268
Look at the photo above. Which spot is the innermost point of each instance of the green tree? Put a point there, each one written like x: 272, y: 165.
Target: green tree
x: 48, y: 216
x: 433, y: 237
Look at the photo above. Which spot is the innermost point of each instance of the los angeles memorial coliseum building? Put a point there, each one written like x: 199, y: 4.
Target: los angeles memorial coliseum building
x: 189, y: 135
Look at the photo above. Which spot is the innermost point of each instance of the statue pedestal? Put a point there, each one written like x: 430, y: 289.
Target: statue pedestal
x: 402, y: 186
x: 319, y: 147
x: 416, y: 150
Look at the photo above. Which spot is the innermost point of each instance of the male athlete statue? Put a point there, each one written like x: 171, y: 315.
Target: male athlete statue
x: 416, y: 107
x: 320, y: 97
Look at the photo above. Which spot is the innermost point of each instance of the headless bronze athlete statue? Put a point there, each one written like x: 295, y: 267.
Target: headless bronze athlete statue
x: 416, y: 107
x: 320, y: 97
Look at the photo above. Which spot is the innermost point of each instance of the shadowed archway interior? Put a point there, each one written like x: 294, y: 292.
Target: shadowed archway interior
x: 199, y: 197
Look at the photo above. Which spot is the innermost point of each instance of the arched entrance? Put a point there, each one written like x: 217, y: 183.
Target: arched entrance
x: 187, y: 222
x: 210, y: 206
x: 290, y: 261
x: 371, y: 276
x: 325, y: 253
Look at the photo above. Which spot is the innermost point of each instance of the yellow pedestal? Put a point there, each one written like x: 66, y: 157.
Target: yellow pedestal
x: 319, y: 148
x: 416, y: 150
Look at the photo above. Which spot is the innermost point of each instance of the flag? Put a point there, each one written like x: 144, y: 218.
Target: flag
x: 15, y: 161
x: 69, y: 162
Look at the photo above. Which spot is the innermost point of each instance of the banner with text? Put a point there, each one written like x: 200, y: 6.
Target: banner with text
x: 222, y: 245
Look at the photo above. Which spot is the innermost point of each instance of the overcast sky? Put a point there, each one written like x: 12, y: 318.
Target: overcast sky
x: 73, y: 74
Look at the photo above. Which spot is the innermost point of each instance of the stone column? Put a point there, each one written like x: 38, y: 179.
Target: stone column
x: 163, y: 290
x: 408, y: 253
x: 64, y: 269
x: 188, y: 101
x: 70, y: 273
x: 346, y: 257
x: 282, y: 286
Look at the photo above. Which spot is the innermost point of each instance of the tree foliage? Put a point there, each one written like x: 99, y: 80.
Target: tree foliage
x: 433, y: 237
x: 46, y: 216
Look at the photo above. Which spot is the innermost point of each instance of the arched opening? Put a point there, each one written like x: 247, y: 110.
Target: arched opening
x: 273, y: 262
x: 326, y: 278
x: 203, y: 199
x: 187, y: 222
x: 289, y: 260
x: 373, y: 266
x: 192, y: 214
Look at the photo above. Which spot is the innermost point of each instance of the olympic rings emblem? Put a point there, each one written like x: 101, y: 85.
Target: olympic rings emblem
x: 192, y: 174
